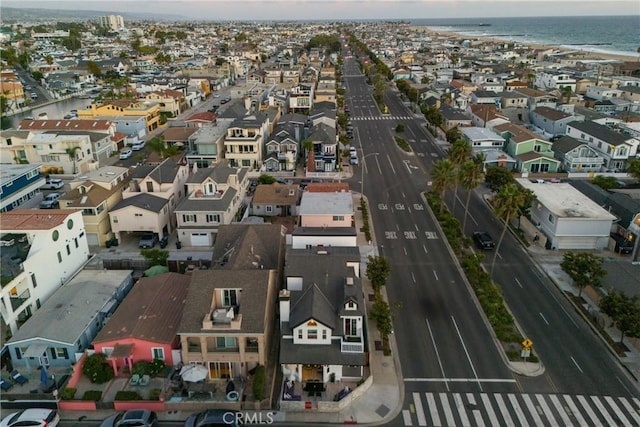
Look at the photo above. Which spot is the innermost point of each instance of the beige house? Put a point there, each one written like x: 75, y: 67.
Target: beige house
x: 227, y: 323
x: 171, y: 101
x: 326, y: 210
x: 275, y: 200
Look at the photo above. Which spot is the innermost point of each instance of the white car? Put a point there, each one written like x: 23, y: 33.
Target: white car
x: 126, y: 153
x: 52, y: 184
x: 32, y: 417
x: 138, y: 146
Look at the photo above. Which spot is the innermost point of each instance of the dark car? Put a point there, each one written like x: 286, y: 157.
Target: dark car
x: 213, y: 418
x: 483, y: 240
x: 623, y: 246
x: 132, y: 417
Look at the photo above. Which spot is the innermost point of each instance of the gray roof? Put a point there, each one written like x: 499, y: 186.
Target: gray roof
x: 623, y: 206
x: 322, y: 132
x: 326, y: 203
x: 600, y: 131
x: 165, y: 172
x: 450, y: 113
x: 312, y: 303
x: 8, y: 133
x: 246, y: 246
x: 233, y: 111
x: 93, y: 136
x: 65, y: 315
x: 253, y: 300
x: 219, y: 174
x: 566, y: 144
x: 146, y: 201
x: 311, y: 354
x: 200, y: 204
x: 318, y: 231
x: 249, y: 122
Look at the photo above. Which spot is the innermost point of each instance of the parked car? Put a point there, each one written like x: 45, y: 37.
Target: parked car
x: 213, y: 418
x: 34, y: 95
x: 484, y: 240
x: 132, y: 417
x: 126, y: 153
x: 623, y: 246
x: 147, y: 241
x: 52, y: 184
x: 50, y: 201
x: 353, y: 159
x: 32, y: 417
x: 138, y: 146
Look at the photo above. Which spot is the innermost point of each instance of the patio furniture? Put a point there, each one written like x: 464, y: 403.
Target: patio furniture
x: 144, y: 381
x: 5, y: 385
x: 134, y: 380
x: 17, y: 377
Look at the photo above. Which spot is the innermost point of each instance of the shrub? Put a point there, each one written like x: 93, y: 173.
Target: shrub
x: 141, y: 368
x: 154, y: 394
x: 92, y: 395
x: 259, y: 383
x: 156, y: 367
x: 400, y: 127
x: 127, y: 395
x: 402, y: 143
x: 97, y: 369
x: 68, y: 393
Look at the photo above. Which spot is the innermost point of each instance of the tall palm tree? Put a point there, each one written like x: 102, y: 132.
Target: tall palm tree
x: 507, y: 203
x: 71, y: 152
x: 443, y: 176
x: 472, y: 175
x: 566, y: 93
x: 458, y: 154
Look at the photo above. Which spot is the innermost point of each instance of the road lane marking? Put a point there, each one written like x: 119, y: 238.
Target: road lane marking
x: 465, y: 351
x: 589, y: 411
x: 561, y: 307
x: 459, y: 380
x: 391, y: 164
x: 406, y: 417
x: 574, y: 410
x: 433, y: 410
x: 425, y: 249
x: 417, y: 229
x: 545, y: 320
x: 632, y: 412
x: 435, y: 274
x: 503, y: 410
x: 435, y: 348
x: 462, y: 411
x: 448, y: 414
x: 518, y: 282
x: 378, y: 164
x: 422, y: 421
x: 546, y: 410
x: 563, y: 414
x: 577, y: 366
x: 413, y: 277
x: 616, y: 409
x: 532, y: 410
x: 490, y: 412
x: 405, y: 251
x: 518, y: 410
x: 603, y: 411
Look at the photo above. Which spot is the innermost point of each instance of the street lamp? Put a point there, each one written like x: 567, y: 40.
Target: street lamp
x: 362, y: 172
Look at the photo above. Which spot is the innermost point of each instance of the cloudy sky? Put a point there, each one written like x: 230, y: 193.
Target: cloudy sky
x: 345, y: 9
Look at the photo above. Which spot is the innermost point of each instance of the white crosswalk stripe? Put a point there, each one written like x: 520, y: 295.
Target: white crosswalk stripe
x: 520, y: 410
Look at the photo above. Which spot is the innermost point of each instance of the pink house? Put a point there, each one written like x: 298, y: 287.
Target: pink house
x: 144, y: 326
x: 326, y: 210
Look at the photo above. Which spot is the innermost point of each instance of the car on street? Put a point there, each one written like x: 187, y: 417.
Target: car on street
x: 147, y: 241
x: 126, y: 153
x: 138, y: 146
x: 34, y: 95
x: 131, y: 418
x: 33, y: 417
x: 354, y: 158
x: 217, y: 95
x: 52, y: 184
x: 213, y: 418
x: 50, y: 201
x: 483, y: 240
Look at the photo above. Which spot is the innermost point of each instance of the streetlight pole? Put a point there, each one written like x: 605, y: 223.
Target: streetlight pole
x: 362, y: 172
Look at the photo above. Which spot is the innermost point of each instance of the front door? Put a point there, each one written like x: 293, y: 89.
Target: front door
x: 44, y: 360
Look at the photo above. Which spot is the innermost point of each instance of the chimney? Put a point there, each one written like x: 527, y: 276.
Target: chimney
x: 285, y: 303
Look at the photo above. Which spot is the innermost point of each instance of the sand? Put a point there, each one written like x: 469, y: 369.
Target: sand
x: 585, y: 54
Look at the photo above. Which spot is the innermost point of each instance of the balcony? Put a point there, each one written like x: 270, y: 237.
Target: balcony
x: 17, y: 301
x: 590, y: 160
x: 352, y: 345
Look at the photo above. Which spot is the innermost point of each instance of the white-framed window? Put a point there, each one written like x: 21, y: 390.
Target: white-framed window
x: 299, y: 334
x: 229, y: 297
x: 350, y: 327
x: 268, y: 208
x: 312, y: 334
x: 157, y: 353
x: 189, y: 218
x: 213, y: 218
x: 226, y: 342
x: 338, y: 217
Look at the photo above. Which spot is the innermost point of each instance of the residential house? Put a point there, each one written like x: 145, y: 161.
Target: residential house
x: 537, y: 98
x: 244, y: 141
x: 513, y: 99
x: 282, y: 148
x: 214, y: 197
x: 324, y: 151
x: 172, y: 102
x: 41, y: 251
x: 601, y: 93
x: 148, y: 203
x: 630, y: 93
x: 553, y: 122
x: 275, y: 200
x: 577, y: 156
x: 13, y: 92
x: 454, y: 117
x: 325, y: 219
x: 145, y: 325
x: 616, y: 148
x: 568, y: 218
x: 18, y: 184
x: 96, y: 199
x: 533, y: 153
x: 62, y: 329
x: 513, y: 85
x: 482, y: 139
x: 178, y: 136
x: 486, y: 115
x: 485, y: 97
x: 200, y: 119
x: 301, y: 97
x: 546, y: 80
x: 206, y: 146
x: 322, y: 318
x: 227, y: 321
x: 125, y: 108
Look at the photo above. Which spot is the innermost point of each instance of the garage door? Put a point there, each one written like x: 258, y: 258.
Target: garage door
x: 577, y: 242
x: 92, y: 239
x: 200, y: 239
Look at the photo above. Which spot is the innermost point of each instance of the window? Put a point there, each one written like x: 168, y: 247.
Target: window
x: 189, y: 218
x: 324, y: 334
x: 551, y: 218
x: 213, y: 218
x: 60, y: 353
x: 226, y: 342
x: 269, y: 208
x: 246, y: 163
x: 299, y: 334
x: 338, y: 217
x: 350, y: 327
x: 59, y: 257
x: 115, y: 219
x: 149, y: 186
x: 107, y: 350
x: 312, y: 334
x: 229, y: 297
x: 157, y: 353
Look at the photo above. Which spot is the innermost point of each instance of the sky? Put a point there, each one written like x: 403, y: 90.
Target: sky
x: 344, y: 9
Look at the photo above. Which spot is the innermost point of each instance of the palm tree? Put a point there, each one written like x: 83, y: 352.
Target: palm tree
x: 472, y: 175
x: 157, y: 145
x: 443, y: 176
x: 566, y: 93
x: 71, y: 152
x: 507, y: 203
x: 458, y: 154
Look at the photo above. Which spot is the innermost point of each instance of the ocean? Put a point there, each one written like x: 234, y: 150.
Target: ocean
x: 603, y: 34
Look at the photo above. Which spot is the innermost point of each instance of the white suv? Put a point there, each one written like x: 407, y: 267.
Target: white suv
x: 52, y: 184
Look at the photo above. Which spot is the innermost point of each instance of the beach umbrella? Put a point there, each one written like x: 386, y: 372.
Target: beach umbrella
x: 194, y: 373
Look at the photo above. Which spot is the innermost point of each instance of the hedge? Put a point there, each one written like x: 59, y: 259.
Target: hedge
x: 259, y: 383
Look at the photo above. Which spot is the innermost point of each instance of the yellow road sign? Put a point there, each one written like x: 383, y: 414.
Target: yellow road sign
x: 527, y: 343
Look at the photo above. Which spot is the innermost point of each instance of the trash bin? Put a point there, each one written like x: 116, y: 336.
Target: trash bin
x: 178, y: 244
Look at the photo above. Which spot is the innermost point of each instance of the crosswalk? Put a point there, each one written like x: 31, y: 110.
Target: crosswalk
x: 525, y: 410
x: 362, y: 118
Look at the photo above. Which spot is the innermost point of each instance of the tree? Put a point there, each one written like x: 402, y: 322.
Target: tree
x: 155, y: 256
x: 605, y: 182
x: 94, y: 68
x: 453, y: 134
x: 624, y: 311
x: 472, y: 175
x: 497, y: 177
x: 566, y: 93
x: 459, y: 153
x: 443, y: 176
x: 381, y: 314
x: 71, y: 152
x: 378, y: 269
x: 506, y: 204
x: 48, y: 59
x: 585, y: 269
x: 633, y: 168
x: 266, y: 179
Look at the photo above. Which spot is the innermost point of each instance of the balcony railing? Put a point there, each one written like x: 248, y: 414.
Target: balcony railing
x: 590, y: 160
x: 348, y: 345
x: 16, y: 302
